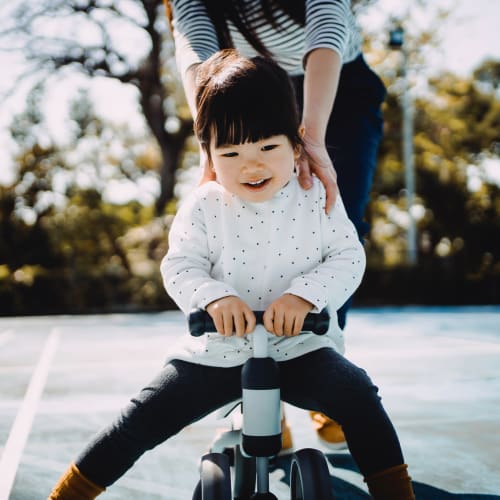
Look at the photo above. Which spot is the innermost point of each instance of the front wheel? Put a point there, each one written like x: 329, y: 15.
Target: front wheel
x: 244, y: 475
x: 309, y: 476
x: 215, y: 478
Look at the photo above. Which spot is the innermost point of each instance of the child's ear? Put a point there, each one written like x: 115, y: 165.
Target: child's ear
x: 298, y: 150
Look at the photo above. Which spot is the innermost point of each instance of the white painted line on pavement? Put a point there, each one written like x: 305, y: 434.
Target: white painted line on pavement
x: 13, y: 450
x: 6, y: 336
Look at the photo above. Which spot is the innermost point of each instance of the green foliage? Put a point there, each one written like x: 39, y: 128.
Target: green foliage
x: 489, y: 73
x: 457, y: 130
x: 63, y: 246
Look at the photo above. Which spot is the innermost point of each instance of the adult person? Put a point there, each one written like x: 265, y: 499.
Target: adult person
x: 318, y: 43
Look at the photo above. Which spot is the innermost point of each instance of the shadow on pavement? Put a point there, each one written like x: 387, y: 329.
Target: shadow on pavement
x: 347, y: 491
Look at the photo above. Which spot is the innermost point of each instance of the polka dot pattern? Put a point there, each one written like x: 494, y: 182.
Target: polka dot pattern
x: 220, y: 245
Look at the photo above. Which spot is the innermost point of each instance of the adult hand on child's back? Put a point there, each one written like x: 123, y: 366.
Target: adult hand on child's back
x: 285, y: 316
x: 315, y: 160
x: 231, y: 315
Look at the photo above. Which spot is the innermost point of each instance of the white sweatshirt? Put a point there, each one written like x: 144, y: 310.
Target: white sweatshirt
x: 220, y: 245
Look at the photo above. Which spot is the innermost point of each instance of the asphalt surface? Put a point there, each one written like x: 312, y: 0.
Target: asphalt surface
x: 64, y: 377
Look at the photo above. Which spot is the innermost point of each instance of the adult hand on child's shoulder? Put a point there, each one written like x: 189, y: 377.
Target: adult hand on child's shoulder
x: 231, y: 316
x: 315, y: 160
x: 285, y: 316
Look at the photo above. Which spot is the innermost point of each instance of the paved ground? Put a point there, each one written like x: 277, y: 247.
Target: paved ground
x: 62, y: 378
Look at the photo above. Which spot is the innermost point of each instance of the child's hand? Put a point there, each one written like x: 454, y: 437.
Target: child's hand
x: 231, y: 315
x: 285, y: 316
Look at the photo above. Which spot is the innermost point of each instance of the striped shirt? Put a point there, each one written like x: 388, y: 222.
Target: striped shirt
x: 328, y: 24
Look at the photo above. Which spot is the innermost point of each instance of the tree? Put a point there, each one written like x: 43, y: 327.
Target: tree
x: 125, y: 40
x: 456, y: 132
x: 64, y: 247
x: 489, y: 73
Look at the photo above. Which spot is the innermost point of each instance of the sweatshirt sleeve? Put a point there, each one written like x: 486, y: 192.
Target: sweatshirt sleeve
x: 194, y: 34
x: 340, y: 273
x: 186, y: 267
x: 327, y: 25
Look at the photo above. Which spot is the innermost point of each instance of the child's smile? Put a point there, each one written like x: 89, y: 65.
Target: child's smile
x: 256, y: 185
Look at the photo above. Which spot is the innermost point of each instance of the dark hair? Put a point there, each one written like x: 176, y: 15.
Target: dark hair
x: 237, y: 11
x: 244, y: 100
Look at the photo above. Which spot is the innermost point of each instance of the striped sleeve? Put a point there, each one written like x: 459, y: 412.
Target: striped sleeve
x: 328, y: 25
x: 194, y: 34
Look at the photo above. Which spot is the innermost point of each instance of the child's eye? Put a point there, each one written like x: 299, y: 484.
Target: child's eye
x: 230, y: 154
x: 269, y: 147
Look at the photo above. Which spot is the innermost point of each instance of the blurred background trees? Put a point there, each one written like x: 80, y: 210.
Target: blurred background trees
x: 126, y: 41
x: 84, y: 220
x: 457, y: 146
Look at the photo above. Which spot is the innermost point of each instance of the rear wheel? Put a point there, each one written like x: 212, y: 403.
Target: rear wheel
x: 215, y: 478
x: 309, y: 476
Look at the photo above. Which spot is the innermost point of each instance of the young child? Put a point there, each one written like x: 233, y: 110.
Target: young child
x: 253, y: 240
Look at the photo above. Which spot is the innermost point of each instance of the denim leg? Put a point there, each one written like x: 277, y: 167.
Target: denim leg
x: 353, y: 136
x: 182, y: 393
x: 325, y: 381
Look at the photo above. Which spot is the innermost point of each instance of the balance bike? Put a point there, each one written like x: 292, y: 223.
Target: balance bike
x: 260, y: 437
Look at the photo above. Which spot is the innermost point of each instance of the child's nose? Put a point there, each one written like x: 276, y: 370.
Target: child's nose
x: 253, y: 161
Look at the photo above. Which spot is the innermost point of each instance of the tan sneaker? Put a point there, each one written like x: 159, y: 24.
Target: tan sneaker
x: 286, y: 437
x: 329, y: 432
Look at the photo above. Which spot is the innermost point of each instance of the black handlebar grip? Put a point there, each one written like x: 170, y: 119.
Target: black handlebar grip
x: 201, y: 322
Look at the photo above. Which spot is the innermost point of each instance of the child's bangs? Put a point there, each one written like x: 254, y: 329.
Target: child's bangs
x: 250, y: 118
x: 238, y: 128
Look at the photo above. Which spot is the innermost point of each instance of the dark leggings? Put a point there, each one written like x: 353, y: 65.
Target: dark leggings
x: 184, y: 392
x: 352, y: 137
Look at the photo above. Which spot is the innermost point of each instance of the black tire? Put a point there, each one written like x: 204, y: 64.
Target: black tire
x: 215, y: 478
x: 244, y: 475
x: 309, y: 476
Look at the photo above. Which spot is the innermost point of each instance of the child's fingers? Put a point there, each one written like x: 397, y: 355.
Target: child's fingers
x: 219, y: 323
x: 250, y: 321
x: 267, y: 319
x: 228, y: 324
x: 239, y: 324
x: 279, y: 323
x: 289, y: 322
x: 297, y: 325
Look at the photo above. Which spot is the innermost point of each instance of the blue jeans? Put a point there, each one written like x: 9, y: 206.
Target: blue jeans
x: 353, y: 136
x: 183, y: 393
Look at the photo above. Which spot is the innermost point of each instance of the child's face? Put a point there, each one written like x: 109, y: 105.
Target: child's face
x: 254, y: 171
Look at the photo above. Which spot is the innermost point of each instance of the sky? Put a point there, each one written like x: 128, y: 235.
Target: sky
x: 474, y: 35
x: 469, y: 36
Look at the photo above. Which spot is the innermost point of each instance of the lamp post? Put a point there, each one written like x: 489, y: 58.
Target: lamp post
x: 396, y: 41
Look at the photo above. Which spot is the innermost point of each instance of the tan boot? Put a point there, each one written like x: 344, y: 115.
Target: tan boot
x: 391, y: 484
x: 73, y: 485
x: 329, y: 432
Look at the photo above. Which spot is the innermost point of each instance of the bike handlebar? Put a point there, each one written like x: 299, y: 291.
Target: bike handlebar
x: 201, y: 322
